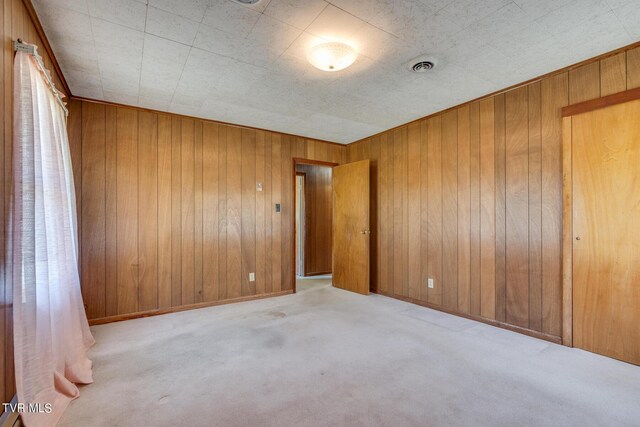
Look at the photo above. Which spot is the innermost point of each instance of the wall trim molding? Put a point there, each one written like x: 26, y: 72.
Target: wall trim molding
x: 491, y: 322
x: 602, y: 102
x: 150, y: 313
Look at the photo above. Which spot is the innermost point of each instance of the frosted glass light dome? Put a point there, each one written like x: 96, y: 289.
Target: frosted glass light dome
x: 332, y: 56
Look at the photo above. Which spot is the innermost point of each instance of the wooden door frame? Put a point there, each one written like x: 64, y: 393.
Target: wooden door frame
x: 567, y: 198
x: 567, y: 234
x: 295, y: 231
x: 300, y: 161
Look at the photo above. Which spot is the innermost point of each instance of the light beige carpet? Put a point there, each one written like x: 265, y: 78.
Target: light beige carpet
x: 327, y: 357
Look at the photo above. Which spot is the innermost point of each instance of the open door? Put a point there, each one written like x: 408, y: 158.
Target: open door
x: 351, y: 232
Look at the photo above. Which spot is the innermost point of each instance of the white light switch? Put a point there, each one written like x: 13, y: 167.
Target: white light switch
x: 259, y: 186
x: 252, y: 277
x: 430, y: 283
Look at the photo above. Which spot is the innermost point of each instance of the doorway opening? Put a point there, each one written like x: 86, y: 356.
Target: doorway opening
x: 313, y: 222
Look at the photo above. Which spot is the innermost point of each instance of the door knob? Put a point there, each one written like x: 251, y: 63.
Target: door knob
x: 578, y: 238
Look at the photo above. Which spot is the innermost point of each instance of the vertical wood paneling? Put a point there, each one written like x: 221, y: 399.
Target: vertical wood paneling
x: 517, y: 212
x: 234, y: 207
x: 299, y: 148
x: 164, y: 211
x: 490, y: 204
x: 487, y: 210
x: 187, y: 219
x: 613, y: 74
x: 173, y: 217
x: 287, y: 213
x: 405, y: 212
x: 464, y: 210
x: 276, y: 217
x: 398, y: 204
x: 424, y: 209
x: 633, y: 68
x: 130, y: 185
x: 111, y: 223
x: 210, y: 228
x: 310, y: 148
x: 321, y: 149
x: 584, y: 83
x: 535, y: 208
x: 260, y: 226
x: 248, y: 210
x: 450, y: 210
x: 413, y: 195
x: 268, y: 215
x: 176, y: 211
x: 198, y: 214
x: 385, y: 227
x: 222, y: 211
x: 500, y: 206
x: 464, y: 172
x: 148, y: 210
x: 127, y: 210
x: 554, y: 96
x: 474, y: 196
x: 434, y: 217
x: 374, y: 155
x: 93, y: 213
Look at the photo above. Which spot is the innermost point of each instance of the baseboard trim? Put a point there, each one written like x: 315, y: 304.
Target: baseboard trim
x: 149, y: 313
x: 319, y: 273
x: 540, y: 335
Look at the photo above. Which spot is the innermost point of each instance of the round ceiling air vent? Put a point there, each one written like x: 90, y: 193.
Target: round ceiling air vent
x: 422, y: 64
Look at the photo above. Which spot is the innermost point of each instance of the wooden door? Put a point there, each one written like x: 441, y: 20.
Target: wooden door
x: 351, y: 231
x: 606, y: 231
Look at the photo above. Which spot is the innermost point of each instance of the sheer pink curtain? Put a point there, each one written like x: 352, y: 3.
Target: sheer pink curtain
x: 51, y: 333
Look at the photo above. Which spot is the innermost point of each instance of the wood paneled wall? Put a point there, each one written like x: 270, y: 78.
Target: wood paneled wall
x: 169, y: 216
x: 15, y: 23
x: 318, y: 214
x: 169, y: 212
x: 472, y: 197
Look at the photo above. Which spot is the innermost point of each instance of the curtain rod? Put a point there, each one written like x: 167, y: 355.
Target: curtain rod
x: 31, y: 49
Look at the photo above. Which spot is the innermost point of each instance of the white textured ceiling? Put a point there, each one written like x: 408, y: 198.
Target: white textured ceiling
x: 220, y: 60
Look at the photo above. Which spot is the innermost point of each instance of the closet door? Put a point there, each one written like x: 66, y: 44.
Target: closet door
x: 606, y: 231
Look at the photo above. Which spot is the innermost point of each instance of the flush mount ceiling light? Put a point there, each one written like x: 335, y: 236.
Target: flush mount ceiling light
x: 332, y: 56
x: 247, y: 1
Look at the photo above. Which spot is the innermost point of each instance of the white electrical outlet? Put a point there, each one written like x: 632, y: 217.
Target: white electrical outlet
x: 430, y: 283
x: 252, y: 277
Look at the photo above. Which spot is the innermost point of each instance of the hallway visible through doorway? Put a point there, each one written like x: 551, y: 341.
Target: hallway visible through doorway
x: 313, y: 216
